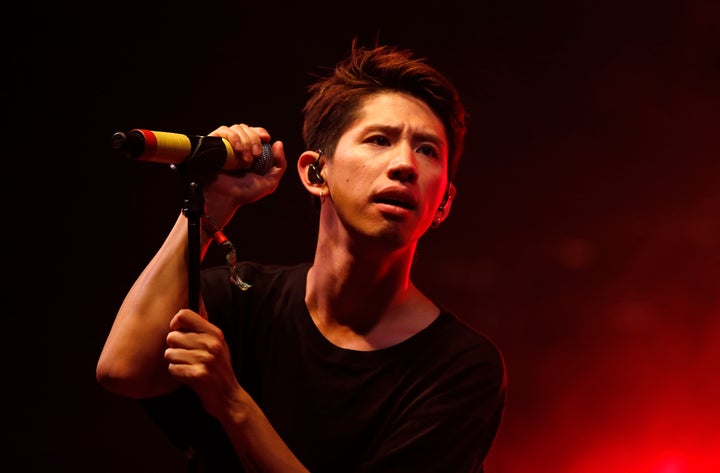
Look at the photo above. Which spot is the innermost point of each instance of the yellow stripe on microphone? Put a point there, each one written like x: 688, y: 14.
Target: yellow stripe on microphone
x: 168, y: 148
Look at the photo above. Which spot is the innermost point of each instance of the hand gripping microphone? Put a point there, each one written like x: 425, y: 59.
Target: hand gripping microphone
x: 203, y: 155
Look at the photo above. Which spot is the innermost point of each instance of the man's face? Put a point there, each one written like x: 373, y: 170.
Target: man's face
x: 388, y: 174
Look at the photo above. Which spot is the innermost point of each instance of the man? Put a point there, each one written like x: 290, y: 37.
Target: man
x: 341, y: 364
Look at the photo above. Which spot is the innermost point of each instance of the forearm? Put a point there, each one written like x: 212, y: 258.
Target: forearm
x: 131, y: 362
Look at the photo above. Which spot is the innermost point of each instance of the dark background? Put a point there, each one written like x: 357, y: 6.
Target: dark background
x: 584, y: 239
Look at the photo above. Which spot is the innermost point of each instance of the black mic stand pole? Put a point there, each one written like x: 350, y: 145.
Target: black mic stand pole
x: 205, y: 160
x: 194, y: 208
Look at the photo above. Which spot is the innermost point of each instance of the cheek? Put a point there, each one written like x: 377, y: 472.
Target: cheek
x: 435, y: 186
x: 345, y: 189
x: 355, y: 176
x: 350, y: 189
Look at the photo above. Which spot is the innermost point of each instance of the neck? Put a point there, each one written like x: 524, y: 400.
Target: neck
x: 365, y: 299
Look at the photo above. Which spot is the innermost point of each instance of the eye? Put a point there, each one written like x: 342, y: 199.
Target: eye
x: 428, y: 150
x: 379, y: 140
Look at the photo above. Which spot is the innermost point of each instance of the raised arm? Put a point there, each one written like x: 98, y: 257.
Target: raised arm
x: 132, y: 361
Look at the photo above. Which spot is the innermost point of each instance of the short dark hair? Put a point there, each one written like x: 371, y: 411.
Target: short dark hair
x: 335, y: 100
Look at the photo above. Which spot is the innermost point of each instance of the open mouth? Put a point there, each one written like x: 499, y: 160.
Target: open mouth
x: 395, y: 202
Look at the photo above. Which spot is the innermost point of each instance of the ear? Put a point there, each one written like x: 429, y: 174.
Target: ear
x: 444, y: 210
x: 307, y: 159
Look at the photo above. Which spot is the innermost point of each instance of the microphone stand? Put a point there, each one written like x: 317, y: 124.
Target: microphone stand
x: 194, y: 208
x: 202, y: 162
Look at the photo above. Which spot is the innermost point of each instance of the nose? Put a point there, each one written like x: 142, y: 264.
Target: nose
x: 403, y: 165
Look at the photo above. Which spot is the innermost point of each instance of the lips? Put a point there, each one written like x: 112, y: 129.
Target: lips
x: 398, y: 197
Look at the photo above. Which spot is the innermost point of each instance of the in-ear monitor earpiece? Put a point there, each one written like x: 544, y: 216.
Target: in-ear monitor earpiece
x: 314, y: 171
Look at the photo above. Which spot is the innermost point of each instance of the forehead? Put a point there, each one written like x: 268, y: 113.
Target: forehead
x: 401, y: 111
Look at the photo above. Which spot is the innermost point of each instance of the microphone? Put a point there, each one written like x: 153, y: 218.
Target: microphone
x: 204, y: 155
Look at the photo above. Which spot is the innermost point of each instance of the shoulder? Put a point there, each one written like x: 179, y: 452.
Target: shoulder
x: 465, y: 347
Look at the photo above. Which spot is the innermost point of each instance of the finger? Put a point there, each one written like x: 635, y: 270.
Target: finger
x: 279, y: 160
x: 187, y: 320
x: 184, y: 339
x: 187, y: 373
x: 262, y: 134
x: 222, y: 131
x: 248, y: 144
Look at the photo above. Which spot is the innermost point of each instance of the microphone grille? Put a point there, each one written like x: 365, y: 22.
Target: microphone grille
x: 262, y: 164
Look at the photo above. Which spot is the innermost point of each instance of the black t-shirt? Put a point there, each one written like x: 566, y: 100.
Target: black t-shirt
x: 432, y: 403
